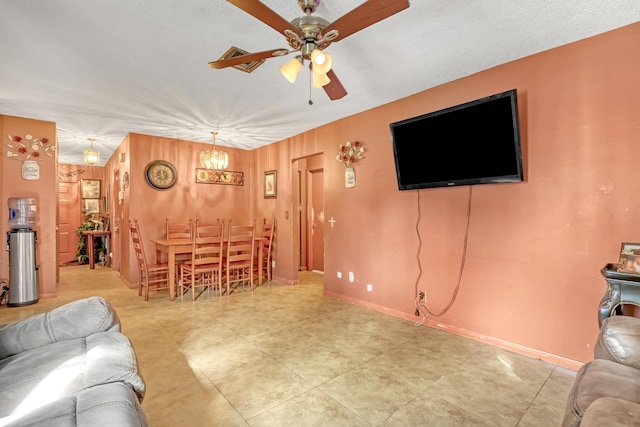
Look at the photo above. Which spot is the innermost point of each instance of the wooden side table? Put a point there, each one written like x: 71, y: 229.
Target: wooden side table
x: 622, y: 288
x: 91, y: 235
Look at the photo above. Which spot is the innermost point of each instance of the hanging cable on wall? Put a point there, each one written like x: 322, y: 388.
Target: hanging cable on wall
x: 422, y: 307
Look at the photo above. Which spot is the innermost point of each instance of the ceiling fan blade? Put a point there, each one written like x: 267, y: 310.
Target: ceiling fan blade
x: 334, y: 88
x: 259, y: 11
x: 245, y: 59
x: 368, y: 13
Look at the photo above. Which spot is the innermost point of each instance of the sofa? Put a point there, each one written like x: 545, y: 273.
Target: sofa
x: 606, y: 391
x: 70, y: 366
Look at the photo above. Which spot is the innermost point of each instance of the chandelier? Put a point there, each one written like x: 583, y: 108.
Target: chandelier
x: 91, y: 156
x: 214, y: 159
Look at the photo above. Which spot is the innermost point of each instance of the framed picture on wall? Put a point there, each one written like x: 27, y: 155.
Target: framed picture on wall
x: 629, y: 258
x: 91, y: 206
x: 270, y: 184
x: 90, y: 188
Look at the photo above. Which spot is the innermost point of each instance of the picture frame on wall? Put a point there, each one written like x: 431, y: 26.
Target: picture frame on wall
x: 629, y: 258
x: 91, y: 206
x: 270, y: 184
x: 90, y: 188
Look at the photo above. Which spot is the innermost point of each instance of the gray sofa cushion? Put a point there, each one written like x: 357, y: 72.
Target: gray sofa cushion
x: 106, y: 405
x: 619, y: 340
x: 609, y: 411
x: 40, y: 376
x: 77, y: 319
x: 596, y: 379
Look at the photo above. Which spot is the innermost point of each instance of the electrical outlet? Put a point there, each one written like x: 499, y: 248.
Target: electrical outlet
x: 351, y: 276
x: 421, y: 296
x: 369, y: 287
x: 339, y: 274
x: 273, y: 263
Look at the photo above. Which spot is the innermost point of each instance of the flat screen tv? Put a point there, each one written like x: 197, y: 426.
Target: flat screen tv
x: 477, y: 142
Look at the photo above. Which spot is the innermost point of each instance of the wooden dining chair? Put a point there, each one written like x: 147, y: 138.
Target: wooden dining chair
x: 205, y: 267
x: 156, y: 275
x: 267, y: 233
x: 204, y: 230
x: 240, y: 255
x: 179, y: 230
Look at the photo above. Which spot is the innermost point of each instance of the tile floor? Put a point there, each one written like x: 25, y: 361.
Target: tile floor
x: 290, y: 356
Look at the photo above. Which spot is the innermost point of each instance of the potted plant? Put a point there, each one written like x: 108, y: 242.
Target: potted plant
x: 81, y: 246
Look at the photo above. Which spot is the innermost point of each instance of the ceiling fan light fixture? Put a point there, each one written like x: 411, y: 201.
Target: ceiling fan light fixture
x: 321, y: 61
x: 91, y: 156
x: 319, y: 79
x: 291, y: 69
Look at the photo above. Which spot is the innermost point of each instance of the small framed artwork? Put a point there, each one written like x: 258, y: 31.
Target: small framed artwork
x: 91, y: 206
x: 629, y: 258
x: 270, y: 184
x: 90, y: 188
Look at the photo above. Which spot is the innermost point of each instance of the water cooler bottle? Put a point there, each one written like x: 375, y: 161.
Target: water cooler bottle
x: 21, y: 244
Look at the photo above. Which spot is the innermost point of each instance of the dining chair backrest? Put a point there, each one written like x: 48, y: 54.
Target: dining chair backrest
x: 204, y: 230
x: 240, y: 242
x: 136, y: 240
x: 207, y: 250
x: 268, y: 233
x: 240, y: 254
x: 177, y: 230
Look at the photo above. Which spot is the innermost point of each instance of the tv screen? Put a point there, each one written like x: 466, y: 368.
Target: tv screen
x: 477, y: 142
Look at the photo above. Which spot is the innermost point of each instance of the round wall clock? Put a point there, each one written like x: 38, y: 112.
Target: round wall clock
x: 160, y: 175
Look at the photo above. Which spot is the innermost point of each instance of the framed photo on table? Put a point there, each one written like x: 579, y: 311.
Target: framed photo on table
x: 629, y: 258
x: 90, y: 188
x: 270, y: 184
x: 91, y: 206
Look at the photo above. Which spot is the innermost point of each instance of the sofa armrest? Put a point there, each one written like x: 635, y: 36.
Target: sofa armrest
x: 610, y: 411
x: 77, y: 319
x: 34, y: 378
x: 107, y: 405
x: 619, y: 340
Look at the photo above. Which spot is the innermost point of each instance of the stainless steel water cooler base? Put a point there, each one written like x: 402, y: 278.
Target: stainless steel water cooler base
x: 23, y: 271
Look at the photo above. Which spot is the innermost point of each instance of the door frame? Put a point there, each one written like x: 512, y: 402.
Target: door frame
x: 301, y: 170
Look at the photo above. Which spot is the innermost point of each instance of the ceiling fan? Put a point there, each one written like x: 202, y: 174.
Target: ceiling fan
x: 309, y: 35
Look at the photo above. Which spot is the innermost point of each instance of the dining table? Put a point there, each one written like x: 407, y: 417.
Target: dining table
x: 173, y: 247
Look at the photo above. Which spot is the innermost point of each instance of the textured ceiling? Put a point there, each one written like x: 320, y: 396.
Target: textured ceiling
x: 104, y: 68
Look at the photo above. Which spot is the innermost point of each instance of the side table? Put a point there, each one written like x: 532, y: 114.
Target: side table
x: 91, y: 235
x: 622, y: 288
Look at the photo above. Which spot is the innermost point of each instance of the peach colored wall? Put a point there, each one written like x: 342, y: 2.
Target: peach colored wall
x: 43, y: 190
x: 186, y: 200
x: 532, y: 277
x: 535, y: 249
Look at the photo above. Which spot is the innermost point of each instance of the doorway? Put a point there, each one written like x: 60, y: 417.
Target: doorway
x: 69, y: 219
x: 309, y: 221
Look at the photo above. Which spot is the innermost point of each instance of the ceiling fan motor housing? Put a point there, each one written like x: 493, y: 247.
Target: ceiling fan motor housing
x: 311, y: 28
x: 308, y: 6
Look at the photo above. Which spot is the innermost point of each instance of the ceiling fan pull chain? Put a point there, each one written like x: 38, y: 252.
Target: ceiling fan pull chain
x: 310, y: 84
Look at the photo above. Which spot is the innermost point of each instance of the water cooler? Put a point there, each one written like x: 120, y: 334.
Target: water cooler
x: 21, y: 244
